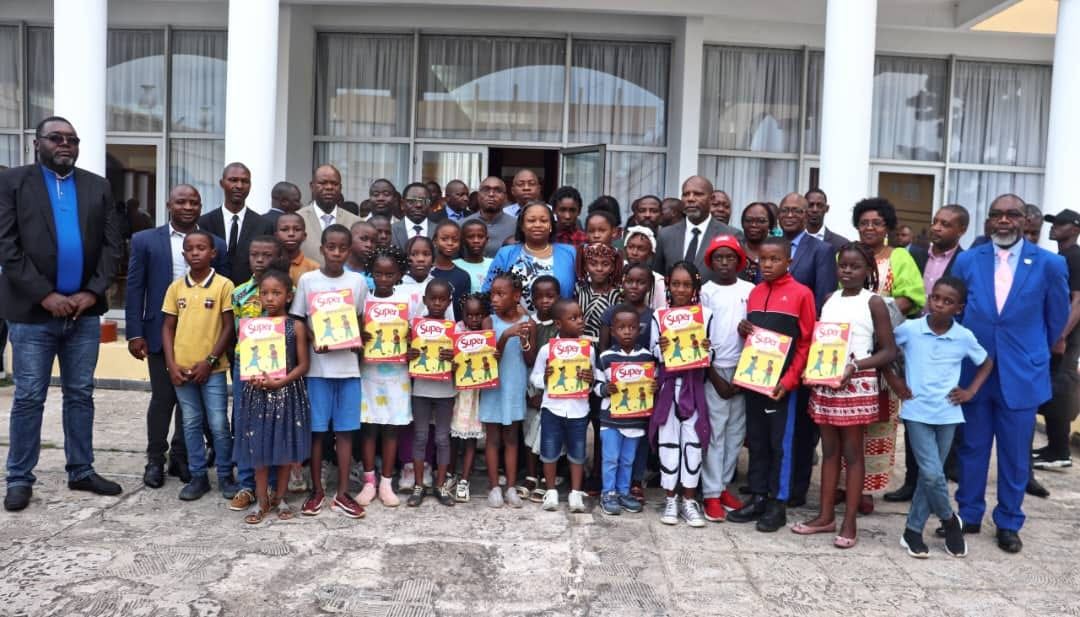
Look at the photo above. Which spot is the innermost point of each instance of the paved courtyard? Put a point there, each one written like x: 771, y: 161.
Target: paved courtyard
x: 146, y: 553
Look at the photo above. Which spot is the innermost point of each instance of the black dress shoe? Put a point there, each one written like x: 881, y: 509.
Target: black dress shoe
x: 797, y: 502
x: 752, y: 510
x: 17, y: 498
x: 154, y: 475
x: 96, y: 484
x: 970, y: 529
x: 904, y: 493
x: 178, y: 468
x: 1009, y: 541
x: 744, y: 489
x: 774, y: 518
x: 1035, y: 489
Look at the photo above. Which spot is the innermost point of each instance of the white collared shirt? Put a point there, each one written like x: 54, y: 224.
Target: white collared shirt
x: 690, y: 227
x: 226, y: 216
x: 410, y: 228
x: 176, y: 242
x: 320, y: 213
x: 820, y: 235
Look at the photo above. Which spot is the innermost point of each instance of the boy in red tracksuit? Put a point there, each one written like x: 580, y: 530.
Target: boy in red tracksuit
x: 781, y: 304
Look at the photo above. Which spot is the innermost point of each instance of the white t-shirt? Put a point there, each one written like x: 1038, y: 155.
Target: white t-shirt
x: 728, y: 306
x: 332, y: 364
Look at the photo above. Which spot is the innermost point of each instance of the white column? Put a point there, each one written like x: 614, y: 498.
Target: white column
x: 1062, y: 155
x: 251, y: 94
x: 847, y: 101
x: 80, y: 30
x: 684, y: 133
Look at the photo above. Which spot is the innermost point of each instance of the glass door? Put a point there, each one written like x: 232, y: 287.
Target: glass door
x: 913, y: 191
x: 131, y: 167
x: 444, y: 162
x: 583, y: 169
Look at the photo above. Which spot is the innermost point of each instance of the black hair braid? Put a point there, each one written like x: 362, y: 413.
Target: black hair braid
x: 695, y: 277
x: 517, y: 281
x: 483, y: 297
x: 392, y: 252
x: 867, y: 254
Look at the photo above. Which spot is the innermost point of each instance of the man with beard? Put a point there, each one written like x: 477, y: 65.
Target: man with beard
x: 323, y: 211
x: 689, y: 238
x: 235, y: 222
x: 500, y: 224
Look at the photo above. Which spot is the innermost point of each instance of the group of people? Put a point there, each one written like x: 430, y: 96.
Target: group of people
x: 963, y: 346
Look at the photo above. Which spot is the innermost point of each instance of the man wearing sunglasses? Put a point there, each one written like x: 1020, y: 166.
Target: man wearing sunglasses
x: 59, y: 248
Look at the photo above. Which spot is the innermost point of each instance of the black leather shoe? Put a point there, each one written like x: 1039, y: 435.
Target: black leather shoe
x: 1035, y: 489
x: 96, y: 484
x: 774, y: 518
x: 970, y: 529
x: 752, y: 510
x: 744, y: 489
x: 1009, y: 541
x: 797, y: 502
x: 199, y: 486
x: 17, y: 498
x: 178, y: 468
x: 904, y: 493
x: 154, y: 475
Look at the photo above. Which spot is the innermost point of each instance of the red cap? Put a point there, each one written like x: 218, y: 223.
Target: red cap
x: 725, y: 241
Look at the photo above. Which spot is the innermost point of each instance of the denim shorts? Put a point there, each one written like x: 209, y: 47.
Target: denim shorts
x: 334, y: 399
x: 557, y: 432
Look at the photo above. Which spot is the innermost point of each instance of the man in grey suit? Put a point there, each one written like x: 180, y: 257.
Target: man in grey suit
x: 323, y: 210
x: 689, y: 238
x: 417, y: 221
x: 817, y: 205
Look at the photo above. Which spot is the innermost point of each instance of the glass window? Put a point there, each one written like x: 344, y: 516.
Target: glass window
x: 747, y: 180
x: 361, y: 164
x: 976, y: 189
x: 750, y: 99
x: 909, y: 108
x: 491, y: 88
x: 363, y: 85
x: 198, y: 162
x: 10, y: 155
x: 618, y: 93
x: 1000, y: 113
x: 633, y: 174
x: 135, y: 80
x: 39, y: 75
x: 198, y: 82
x: 815, y: 79
x: 9, y: 77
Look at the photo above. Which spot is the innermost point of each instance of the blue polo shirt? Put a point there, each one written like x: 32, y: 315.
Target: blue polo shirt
x: 932, y: 368
x: 69, y: 247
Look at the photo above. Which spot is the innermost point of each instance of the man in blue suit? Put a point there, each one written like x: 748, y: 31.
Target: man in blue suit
x: 1017, y: 307
x: 156, y: 261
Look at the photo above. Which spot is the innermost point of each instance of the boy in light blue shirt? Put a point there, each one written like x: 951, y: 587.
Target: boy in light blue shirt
x: 935, y: 346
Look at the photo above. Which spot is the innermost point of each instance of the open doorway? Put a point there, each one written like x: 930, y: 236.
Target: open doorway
x: 912, y: 193
x: 506, y: 162
x: 131, y: 170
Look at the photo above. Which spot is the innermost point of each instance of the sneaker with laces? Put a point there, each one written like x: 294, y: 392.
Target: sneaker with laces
x: 729, y: 501
x: 671, y: 511
x: 408, y: 478
x: 551, y: 500
x: 297, y: 483
x: 416, y: 498
x: 1048, y: 460
x: 461, y: 492
x: 576, y: 501
x: 630, y: 503
x: 347, y: 506
x: 367, y: 495
x: 242, y: 500
x: 444, y: 496
x: 513, y: 499
x: 314, y: 504
x: 955, y: 544
x: 609, y: 504
x: 914, y: 544
x: 714, y: 510
x: 691, y: 513
x: 495, y: 498
x: 386, y: 493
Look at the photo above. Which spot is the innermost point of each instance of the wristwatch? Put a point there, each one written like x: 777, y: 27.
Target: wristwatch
x: 212, y: 360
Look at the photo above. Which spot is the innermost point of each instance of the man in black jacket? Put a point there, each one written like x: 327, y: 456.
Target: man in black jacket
x: 59, y: 247
x: 234, y: 222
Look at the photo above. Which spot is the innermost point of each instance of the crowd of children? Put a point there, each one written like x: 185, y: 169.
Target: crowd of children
x: 330, y: 400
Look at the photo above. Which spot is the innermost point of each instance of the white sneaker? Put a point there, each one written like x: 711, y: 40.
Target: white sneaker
x: 495, y: 498
x: 513, y: 499
x: 408, y: 478
x: 461, y: 491
x: 551, y: 500
x: 427, y: 476
x: 451, y: 482
x: 576, y: 500
x: 671, y: 511
x: 691, y: 513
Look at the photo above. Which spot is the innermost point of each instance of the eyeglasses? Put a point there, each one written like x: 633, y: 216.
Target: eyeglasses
x: 1013, y: 215
x: 417, y: 200
x: 868, y: 224
x: 57, y: 139
x: 755, y: 221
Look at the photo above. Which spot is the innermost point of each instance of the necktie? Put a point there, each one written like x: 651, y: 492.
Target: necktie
x: 1003, y: 278
x: 234, y: 231
x: 416, y: 230
x: 691, y: 249
x: 328, y: 220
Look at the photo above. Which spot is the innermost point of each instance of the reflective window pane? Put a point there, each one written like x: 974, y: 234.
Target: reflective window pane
x: 135, y: 80
x: 491, y: 88
x: 198, y: 162
x: 815, y: 78
x: 747, y: 180
x: 976, y: 189
x: 1000, y: 113
x: 39, y: 75
x: 361, y: 164
x: 909, y: 108
x: 633, y: 174
x: 363, y: 85
x: 9, y: 77
x: 10, y: 156
x: 198, y: 82
x: 750, y: 99
x: 618, y: 93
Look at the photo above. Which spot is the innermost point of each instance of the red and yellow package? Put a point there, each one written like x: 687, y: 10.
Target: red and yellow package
x: 475, y: 366
x: 762, y: 361
x: 431, y: 336
x: 684, y: 327
x: 828, y: 354
x: 634, y: 397
x: 261, y: 348
x: 333, y: 319
x: 566, y: 356
x: 388, y: 325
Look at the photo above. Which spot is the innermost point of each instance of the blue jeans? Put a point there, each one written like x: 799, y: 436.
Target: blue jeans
x: 618, y: 459
x: 557, y: 432
x: 930, y: 443
x: 34, y: 346
x: 211, y: 399
x: 244, y: 475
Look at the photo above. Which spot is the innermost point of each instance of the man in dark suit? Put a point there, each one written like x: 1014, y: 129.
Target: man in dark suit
x: 418, y: 220
x: 813, y: 263
x: 284, y: 197
x: 156, y: 261
x: 1017, y: 307
x: 817, y: 204
x: 59, y: 247
x: 949, y: 225
x: 235, y: 222
x: 689, y: 238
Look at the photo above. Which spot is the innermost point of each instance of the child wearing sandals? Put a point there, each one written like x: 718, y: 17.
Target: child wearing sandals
x: 545, y: 293
x: 465, y: 424
x: 273, y: 423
